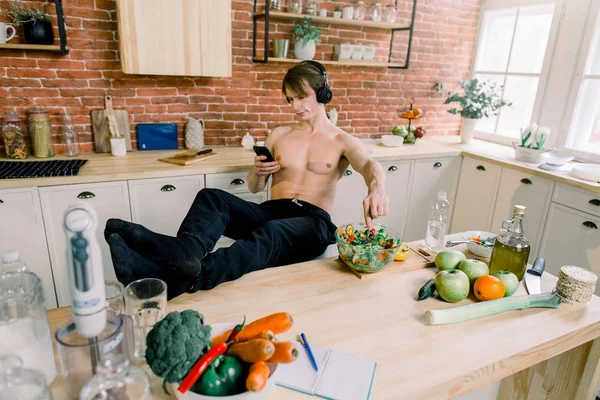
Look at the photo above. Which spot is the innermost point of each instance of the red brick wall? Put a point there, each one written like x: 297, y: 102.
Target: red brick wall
x: 365, y: 97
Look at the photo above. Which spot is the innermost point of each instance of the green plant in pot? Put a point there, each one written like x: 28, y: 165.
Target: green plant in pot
x: 478, y: 100
x: 306, y: 38
x: 37, y: 27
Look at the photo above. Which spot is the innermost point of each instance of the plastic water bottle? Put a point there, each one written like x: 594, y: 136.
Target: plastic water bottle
x: 437, y: 225
x: 11, y: 262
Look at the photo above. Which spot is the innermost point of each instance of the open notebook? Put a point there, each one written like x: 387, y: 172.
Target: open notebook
x: 340, y: 376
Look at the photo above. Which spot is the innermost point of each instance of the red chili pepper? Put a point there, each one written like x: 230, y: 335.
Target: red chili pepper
x: 236, y: 331
x: 198, y: 369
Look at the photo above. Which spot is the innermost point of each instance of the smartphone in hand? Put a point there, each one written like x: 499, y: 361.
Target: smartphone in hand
x: 264, y: 151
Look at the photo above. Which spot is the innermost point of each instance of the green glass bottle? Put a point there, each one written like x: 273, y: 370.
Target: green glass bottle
x: 511, y: 248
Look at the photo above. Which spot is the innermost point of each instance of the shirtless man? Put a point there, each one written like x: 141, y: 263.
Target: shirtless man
x: 295, y: 226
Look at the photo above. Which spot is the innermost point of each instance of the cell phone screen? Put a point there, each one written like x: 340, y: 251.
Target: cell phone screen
x: 264, y: 151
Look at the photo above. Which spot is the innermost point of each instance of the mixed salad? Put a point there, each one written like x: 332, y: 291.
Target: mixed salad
x: 486, y: 243
x: 366, y: 250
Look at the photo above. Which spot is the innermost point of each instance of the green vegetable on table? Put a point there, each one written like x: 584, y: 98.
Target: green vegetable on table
x: 175, y: 344
x: 427, y: 290
x: 225, y: 376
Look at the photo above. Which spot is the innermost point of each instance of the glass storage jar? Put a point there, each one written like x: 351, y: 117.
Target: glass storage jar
x: 41, y: 136
x: 311, y: 7
x: 389, y: 15
x: 69, y: 134
x: 13, y: 134
x: 360, y: 10
x: 295, y: 6
x: 375, y: 11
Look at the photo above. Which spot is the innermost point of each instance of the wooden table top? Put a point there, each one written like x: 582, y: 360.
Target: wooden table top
x: 379, y: 319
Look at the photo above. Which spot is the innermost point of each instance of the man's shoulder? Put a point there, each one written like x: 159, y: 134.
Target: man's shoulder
x: 343, y: 136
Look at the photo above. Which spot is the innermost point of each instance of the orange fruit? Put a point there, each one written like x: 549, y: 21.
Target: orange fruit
x: 488, y: 287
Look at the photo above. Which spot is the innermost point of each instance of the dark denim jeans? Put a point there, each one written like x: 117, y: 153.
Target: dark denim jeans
x: 271, y: 234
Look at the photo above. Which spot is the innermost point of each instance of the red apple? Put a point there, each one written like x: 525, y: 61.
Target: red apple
x: 420, y: 132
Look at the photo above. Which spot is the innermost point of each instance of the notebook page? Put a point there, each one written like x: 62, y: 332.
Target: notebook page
x: 346, y: 377
x: 300, y: 375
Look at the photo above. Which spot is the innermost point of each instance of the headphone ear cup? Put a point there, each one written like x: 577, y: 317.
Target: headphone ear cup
x: 325, y: 94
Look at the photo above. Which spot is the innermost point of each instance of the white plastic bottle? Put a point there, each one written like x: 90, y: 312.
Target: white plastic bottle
x: 11, y: 262
x: 437, y: 225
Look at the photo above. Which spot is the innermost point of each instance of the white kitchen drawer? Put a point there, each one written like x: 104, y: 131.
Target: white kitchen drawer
x: 161, y: 204
x: 109, y: 200
x: 23, y: 230
x: 232, y: 182
x: 579, y: 199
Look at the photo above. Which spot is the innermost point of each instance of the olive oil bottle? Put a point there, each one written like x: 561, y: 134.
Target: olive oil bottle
x: 511, y: 248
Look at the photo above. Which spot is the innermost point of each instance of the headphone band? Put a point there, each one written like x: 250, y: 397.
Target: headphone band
x: 321, y: 69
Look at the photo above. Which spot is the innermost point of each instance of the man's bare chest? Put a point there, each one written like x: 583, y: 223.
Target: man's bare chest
x: 317, y: 156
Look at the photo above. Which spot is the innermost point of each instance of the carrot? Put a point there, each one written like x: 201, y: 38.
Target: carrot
x: 266, y: 334
x: 277, y: 323
x: 252, y: 351
x: 285, y: 352
x: 257, y: 377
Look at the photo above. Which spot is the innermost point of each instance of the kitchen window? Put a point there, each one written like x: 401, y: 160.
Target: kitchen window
x: 516, y: 39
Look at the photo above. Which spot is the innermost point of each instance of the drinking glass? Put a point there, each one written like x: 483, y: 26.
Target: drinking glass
x: 20, y: 383
x: 146, y: 303
x: 114, y: 296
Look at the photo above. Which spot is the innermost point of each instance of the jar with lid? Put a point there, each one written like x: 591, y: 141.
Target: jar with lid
x: 311, y: 7
x: 295, y: 6
x: 375, y: 11
x: 389, y: 15
x: 41, y: 136
x: 13, y: 134
x: 360, y: 10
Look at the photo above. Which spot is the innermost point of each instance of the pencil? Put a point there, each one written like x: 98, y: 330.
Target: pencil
x: 309, y: 351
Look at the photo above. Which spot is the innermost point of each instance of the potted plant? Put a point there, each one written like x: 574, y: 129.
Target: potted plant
x: 479, y: 100
x: 37, y: 27
x: 337, y: 12
x: 305, y: 39
x: 533, y: 138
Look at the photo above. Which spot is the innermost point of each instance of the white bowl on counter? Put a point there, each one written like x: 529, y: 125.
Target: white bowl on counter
x: 392, y: 140
x: 478, y: 250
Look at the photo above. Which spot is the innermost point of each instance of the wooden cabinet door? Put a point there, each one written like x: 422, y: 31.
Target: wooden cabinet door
x: 533, y: 192
x: 476, y: 196
x: 429, y: 177
x: 175, y: 37
x: 109, y: 200
x: 397, y: 186
x: 23, y: 230
x: 162, y: 204
x: 571, y: 237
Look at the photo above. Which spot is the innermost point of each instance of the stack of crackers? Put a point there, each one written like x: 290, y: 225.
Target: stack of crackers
x: 576, y: 284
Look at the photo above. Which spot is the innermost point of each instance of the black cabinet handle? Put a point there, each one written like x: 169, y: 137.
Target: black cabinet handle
x: 526, y: 181
x: 86, y: 195
x: 590, y: 224
x: 348, y: 172
x: 393, y: 168
x: 437, y: 165
x: 1, y: 201
x: 480, y: 168
x: 595, y: 202
x: 237, y: 181
x: 167, y: 188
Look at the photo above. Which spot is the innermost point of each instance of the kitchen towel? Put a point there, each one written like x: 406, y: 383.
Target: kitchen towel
x: 157, y: 136
x: 340, y: 376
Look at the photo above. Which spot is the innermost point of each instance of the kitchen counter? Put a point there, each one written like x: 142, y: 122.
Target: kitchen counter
x: 379, y: 319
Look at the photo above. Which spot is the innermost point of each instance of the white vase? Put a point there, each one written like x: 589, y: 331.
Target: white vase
x: 118, y: 147
x: 194, y: 133
x: 304, y: 51
x: 467, y: 129
x: 337, y: 14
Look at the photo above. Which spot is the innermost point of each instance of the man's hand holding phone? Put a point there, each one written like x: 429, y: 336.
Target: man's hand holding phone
x: 264, y: 163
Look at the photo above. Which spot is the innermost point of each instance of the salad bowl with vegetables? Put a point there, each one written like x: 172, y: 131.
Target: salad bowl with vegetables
x: 367, y: 250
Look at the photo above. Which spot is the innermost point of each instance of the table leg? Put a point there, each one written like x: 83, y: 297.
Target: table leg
x: 588, y: 387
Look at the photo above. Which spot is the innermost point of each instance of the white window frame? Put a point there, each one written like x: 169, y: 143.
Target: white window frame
x: 543, y: 80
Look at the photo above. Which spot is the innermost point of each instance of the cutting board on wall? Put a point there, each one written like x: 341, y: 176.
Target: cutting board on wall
x: 100, y: 126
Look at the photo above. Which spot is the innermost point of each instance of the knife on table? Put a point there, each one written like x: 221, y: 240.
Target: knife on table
x: 194, y: 154
x: 533, y: 276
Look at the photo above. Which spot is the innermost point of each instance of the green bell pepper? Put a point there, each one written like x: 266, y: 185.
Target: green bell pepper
x: 225, y: 376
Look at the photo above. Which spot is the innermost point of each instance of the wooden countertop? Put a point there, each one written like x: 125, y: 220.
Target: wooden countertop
x: 379, y: 319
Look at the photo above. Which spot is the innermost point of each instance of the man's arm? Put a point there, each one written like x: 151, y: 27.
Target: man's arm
x: 376, y: 204
x: 259, y: 174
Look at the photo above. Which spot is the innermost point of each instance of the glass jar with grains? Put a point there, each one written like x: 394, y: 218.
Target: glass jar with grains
x: 13, y: 133
x: 41, y: 136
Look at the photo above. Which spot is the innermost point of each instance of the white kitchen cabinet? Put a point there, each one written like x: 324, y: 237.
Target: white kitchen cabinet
x: 571, y: 237
x: 23, y: 230
x: 109, y: 200
x: 161, y: 204
x: 350, y: 193
x: 533, y: 192
x: 429, y: 177
x: 397, y: 186
x: 476, y: 196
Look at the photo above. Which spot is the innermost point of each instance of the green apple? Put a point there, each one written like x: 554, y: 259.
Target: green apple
x: 474, y: 269
x: 510, y: 280
x: 449, y: 259
x: 452, y: 285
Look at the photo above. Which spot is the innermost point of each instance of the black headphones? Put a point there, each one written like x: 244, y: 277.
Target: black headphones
x: 324, y: 93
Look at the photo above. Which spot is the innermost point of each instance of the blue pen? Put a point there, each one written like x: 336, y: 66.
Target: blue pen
x: 309, y: 351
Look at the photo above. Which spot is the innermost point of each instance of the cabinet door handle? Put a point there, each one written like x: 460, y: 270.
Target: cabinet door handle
x: 594, y: 202
x: 348, y: 172
x: 437, y: 165
x: 1, y: 201
x: 590, y: 224
x: 86, y: 195
x: 167, y: 188
x: 481, y: 168
x: 526, y: 181
x: 393, y: 168
x: 237, y: 181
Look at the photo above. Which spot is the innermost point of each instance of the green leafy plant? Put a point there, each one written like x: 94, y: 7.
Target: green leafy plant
x: 306, y: 32
x: 337, y: 8
x: 479, y: 99
x: 20, y: 15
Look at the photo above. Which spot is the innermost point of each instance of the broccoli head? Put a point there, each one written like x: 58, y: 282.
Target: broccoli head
x: 175, y: 344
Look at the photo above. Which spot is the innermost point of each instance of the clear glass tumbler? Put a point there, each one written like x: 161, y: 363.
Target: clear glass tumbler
x: 17, y: 383
x: 146, y: 303
x: 114, y: 296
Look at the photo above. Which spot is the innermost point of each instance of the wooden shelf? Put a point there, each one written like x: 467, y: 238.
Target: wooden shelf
x: 331, y: 20
x: 349, y: 63
x: 39, y: 47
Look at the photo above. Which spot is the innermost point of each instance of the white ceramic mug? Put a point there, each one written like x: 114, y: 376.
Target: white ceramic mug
x: 4, y: 37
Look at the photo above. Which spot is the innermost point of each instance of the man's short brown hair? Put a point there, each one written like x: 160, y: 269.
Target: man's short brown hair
x: 299, y: 74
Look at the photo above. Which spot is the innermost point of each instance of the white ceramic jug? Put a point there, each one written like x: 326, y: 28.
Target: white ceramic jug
x: 194, y: 133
